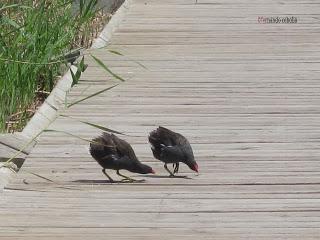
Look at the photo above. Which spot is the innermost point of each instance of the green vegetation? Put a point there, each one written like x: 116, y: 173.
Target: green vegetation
x: 34, y: 37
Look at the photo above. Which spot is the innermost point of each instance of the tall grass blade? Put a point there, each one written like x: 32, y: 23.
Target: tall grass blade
x: 94, y: 125
x: 67, y: 133
x: 75, y: 136
x: 82, y: 65
x: 141, y: 65
x: 23, y: 147
x: 81, y: 6
x: 91, y: 5
x: 92, y: 95
x: 49, y: 180
x: 10, y: 22
x: 39, y: 176
x: 74, y: 78
x: 15, y: 5
x: 107, y: 69
x: 35, y: 37
x: 102, y: 128
x: 115, y: 52
x: 120, y: 54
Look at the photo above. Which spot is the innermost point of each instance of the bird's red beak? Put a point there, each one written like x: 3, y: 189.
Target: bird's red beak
x: 152, y: 171
x: 195, y: 168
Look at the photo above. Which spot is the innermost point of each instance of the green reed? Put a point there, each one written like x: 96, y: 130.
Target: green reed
x: 34, y: 34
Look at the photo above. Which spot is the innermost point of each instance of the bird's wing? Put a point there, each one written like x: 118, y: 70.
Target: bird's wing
x: 171, y: 153
x: 124, y: 148
x: 126, y: 163
x: 102, y: 146
x: 169, y: 137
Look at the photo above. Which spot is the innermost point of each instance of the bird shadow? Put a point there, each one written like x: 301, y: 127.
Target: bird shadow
x: 101, y: 182
x: 88, y: 181
x: 165, y: 176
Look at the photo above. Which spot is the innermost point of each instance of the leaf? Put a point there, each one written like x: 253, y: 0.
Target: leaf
x: 75, y: 136
x: 78, y: 74
x: 72, y: 56
x: 24, y: 147
x: 37, y: 175
x: 67, y: 133
x: 15, y: 5
x: 82, y: 66
x: 74, y: 77
x: 92, y: 95
x: 48, y: 179
x: 107, y: 69
x: 115, y: 52
x: 120, y: 54
x: 102, y: 128
x: 141, y: 65
x: 84, y: 90
x: 95, y: 125
x: 81, y: 7
x: 9, y: 6
x: 80, y: 69
x: 11, y: 22
x: 91, y: 5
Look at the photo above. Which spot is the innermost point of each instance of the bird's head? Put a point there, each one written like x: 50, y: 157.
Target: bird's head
x: 145, y: 169
x: 194, y: 167
x: 189, y: 160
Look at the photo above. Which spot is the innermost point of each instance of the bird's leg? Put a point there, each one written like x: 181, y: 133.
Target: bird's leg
x: 110, y: 179
x: 128, y: 179
x: 176, y: 168
x: 166, y: 168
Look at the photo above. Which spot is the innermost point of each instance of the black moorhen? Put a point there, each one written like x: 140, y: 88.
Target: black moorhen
x: 172, y: 147
x: 114, y: 153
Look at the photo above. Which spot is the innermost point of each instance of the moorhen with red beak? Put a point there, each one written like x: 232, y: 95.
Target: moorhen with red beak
x: 172, y: 147
x: 114, y: 153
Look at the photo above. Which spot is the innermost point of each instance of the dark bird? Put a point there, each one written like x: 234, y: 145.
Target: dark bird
x: 114, y: 153
x: 172, y: 147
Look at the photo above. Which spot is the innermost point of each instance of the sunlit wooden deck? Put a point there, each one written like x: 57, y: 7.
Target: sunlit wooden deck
x: 245, y: 94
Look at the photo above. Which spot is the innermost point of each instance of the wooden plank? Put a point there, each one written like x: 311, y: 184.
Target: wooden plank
x: 245, y: 94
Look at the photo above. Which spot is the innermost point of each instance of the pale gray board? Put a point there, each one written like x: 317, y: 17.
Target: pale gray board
x: 19, y: 145
x: 107, y: 5
x: 13, y: 146
x: 15, y: 142
x: 246, y: 95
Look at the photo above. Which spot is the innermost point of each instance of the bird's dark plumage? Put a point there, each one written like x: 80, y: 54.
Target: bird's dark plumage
x: 172, y: 147
x: 114, y: 153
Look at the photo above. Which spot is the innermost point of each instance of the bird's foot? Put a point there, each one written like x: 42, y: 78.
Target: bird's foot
x: 105, y: 173
x: 177, y: 176
x: 131, y: 180
x: 176, y: 168
x: 167, y: 169
x: 128, y: 179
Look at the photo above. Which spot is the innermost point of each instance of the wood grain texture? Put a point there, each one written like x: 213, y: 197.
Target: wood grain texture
x: 245, y: 94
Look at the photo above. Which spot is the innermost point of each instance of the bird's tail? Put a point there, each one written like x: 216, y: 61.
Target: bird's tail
x: 155, y: 141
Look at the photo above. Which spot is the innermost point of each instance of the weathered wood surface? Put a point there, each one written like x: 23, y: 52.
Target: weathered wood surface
x: 245, y: 94
x: 14, y: 146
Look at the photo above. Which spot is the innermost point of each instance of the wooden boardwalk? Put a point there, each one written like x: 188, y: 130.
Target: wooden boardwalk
x: 245, y: 94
